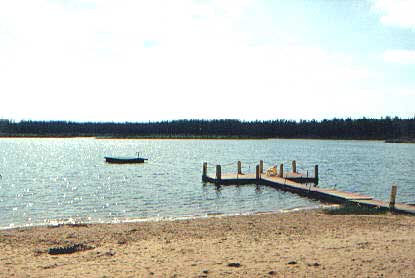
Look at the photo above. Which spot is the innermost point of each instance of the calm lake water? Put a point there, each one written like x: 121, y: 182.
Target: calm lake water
x: 48, y: 181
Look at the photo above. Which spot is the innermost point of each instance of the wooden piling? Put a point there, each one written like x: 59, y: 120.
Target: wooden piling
x: 294, y: 165
x: 394, y: 189
x: 316, y: 174
x: 218, y: 173
x: 239, y: 168
x: 258, y: 172
x: 204, y: 170
x: 281, y: 173
x: 261, y: 166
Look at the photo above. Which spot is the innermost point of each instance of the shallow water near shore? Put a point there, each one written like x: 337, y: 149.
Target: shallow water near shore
x: 67, y: 180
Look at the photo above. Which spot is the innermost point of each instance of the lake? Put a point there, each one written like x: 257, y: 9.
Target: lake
x: 49, y: 181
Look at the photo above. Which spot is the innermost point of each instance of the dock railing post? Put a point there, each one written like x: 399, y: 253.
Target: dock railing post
x: 294, y: 164
x: 394, y: 189
x: 281, y: 173
x: 258, y: 173
x: 261, y: 166
x: 218, y: 173
x: 204, y: 174
x: 315, y: 174
x: 239, y: 168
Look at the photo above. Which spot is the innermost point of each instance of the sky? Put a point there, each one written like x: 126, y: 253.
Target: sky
x: 139, y: 61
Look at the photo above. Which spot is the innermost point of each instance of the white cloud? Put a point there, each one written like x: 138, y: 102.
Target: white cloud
x: 406, y: 92
x: 400, y: 56
x: 398, y: 13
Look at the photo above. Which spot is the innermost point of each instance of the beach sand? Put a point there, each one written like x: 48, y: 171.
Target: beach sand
x: 295, y: 244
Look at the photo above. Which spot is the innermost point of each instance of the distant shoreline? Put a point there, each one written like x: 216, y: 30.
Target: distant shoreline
x: 334, y: 129
x: 192, y: 137
x: 401, y: 140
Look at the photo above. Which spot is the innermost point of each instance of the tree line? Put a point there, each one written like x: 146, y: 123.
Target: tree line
x: 364, y: 128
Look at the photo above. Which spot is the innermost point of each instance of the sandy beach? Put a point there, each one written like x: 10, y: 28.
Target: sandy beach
x: 295, y: 244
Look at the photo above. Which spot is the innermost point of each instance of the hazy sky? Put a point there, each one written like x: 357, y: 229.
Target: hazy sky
x: 131, y: 60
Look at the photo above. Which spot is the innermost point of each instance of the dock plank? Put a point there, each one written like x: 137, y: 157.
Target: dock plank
x: 347, y: 195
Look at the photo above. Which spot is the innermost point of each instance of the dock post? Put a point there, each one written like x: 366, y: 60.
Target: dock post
x: 294, y: 164
x: 394, y: 189
x: 281, y: 173
x: 204, y: 174
x: 218, y: 173
x: 315, y: 174
x: 261, y: 166
x: 239, y: 168
x: 258, y: 173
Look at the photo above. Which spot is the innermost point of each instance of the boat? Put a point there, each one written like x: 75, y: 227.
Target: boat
x: 123, y: 160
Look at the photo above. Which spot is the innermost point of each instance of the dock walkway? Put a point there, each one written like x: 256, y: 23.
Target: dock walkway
x: 303, y: 185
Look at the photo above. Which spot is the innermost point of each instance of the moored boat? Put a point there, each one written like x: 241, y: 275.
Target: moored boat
x: 121, y: 160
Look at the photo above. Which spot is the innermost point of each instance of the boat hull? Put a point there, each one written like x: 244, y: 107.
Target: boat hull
x: 116, y: 160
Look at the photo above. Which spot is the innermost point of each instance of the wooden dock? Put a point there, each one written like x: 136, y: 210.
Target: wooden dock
x: 301, y: 184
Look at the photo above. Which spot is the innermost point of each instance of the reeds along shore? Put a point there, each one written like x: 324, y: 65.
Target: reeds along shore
x: 295, y: 244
